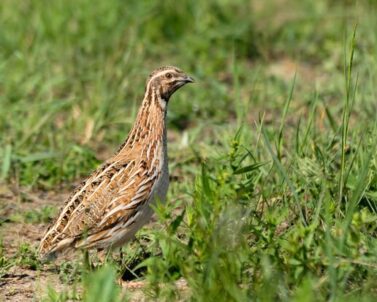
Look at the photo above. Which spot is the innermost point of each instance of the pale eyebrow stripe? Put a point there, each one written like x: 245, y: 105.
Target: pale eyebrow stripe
x: 161, y: 73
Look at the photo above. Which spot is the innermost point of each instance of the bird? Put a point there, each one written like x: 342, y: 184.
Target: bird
x: 107, y: 209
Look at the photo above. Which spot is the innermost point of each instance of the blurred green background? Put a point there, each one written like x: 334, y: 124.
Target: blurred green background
x: 72, y: 73
x: 278, y: 132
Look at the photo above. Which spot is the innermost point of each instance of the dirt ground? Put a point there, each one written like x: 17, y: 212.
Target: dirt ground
x: 24, y: 283
x: 21, y: 283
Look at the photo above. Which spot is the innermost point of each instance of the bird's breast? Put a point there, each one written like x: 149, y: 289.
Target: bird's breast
x: 161, y: 186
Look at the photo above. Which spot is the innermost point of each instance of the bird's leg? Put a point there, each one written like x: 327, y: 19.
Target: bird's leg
x: 102, y: 256
x: 86, y: 261
x: 121, y: 255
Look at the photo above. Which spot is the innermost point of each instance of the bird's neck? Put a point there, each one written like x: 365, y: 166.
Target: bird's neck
x: 150, y: 124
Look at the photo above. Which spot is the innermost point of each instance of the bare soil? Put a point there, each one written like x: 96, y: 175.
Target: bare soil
x: 22, y: 283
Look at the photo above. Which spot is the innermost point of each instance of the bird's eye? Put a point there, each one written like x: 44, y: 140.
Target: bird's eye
x: 168, y: 75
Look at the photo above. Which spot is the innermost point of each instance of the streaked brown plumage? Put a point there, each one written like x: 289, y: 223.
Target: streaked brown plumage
x: 107, y: 209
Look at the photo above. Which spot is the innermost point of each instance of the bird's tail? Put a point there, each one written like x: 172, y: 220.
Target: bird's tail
x: 49, y: 251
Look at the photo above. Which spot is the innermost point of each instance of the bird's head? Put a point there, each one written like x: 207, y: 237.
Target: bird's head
x: 166, y: 80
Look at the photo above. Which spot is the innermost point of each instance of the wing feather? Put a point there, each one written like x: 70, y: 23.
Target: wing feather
x: 110, y: 196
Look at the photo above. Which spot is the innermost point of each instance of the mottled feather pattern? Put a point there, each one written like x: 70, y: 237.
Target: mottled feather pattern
x: 114, y: 202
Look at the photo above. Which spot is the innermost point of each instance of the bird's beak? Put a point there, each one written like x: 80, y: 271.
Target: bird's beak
x: 189, y: 79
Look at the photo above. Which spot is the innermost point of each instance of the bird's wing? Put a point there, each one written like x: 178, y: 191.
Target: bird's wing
x: 122, y: 211
x: 113, y: 193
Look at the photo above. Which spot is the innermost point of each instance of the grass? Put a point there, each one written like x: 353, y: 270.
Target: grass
x: 272, y: 153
